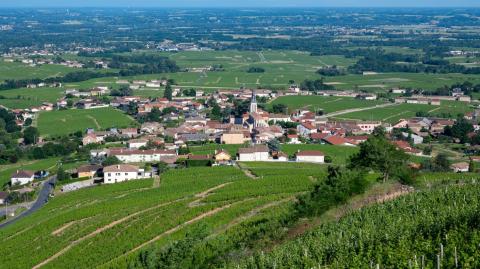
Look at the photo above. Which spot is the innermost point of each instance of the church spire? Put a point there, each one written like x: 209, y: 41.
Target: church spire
x: 253, y: 103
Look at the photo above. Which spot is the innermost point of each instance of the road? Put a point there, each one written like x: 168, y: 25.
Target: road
x: 42, y: 199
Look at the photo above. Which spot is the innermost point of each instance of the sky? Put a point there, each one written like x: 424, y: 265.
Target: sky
x: 238, y: 3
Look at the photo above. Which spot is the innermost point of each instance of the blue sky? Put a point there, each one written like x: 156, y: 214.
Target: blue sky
x: 244, y: 3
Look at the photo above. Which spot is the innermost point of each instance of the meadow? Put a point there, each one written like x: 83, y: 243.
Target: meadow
x: 326, y: 103
x: 107, y: 225
x: 26, y: 97
x: 6, y: 171
x: 392, y: 114
x: 17, y: 70
x: 64, y: 122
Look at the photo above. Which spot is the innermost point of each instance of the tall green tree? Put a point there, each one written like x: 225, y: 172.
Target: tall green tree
x: 379, y: 154
x: 168, y: 92
x: 30, y: 135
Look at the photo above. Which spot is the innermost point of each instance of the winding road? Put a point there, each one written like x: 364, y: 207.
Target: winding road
x: 42, y: 199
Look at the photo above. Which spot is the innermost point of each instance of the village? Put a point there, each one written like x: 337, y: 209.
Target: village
x: 257, y: 132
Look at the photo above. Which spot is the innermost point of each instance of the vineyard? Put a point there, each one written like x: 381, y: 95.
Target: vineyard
x: 108, y: 225
x: 429, y: 229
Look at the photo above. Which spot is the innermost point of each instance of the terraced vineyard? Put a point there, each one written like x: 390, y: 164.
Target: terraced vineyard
x: 430, y: 229
x: 108, y: 225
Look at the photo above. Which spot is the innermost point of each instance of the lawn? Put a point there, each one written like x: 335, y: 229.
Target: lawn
x: 327, y: 104
x: 64, y: 122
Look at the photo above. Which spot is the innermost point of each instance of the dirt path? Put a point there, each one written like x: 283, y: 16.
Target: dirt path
x: 156, y: 182
x: 94, y: 121
x: 398, y: 114
x: 205, y: 194
x: 247, y: 172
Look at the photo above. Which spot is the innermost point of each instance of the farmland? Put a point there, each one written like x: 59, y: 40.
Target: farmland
x: 392, y: 114
x: 327, y: 104
x: 23, y: 71
x: 437, y: 228
x: 55, y: 123
x: 113, y: 216
x: 25, y: 98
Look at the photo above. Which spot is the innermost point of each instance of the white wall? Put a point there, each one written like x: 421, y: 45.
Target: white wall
x: 311, y: 159
x: 253, y: 157
x: 21, y: 181
x: 114, y: 177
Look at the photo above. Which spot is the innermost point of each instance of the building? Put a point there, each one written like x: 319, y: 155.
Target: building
x: 88, y: 171
x: 310, y: 156
x: 306, y: 129
x: 121, y: 172
x: 338, y: 141
x: 139, y: 156
x: 233, y: 137
x: 461, y: 167
x: 222, y: 156
x: 257, y: 153
x: 3, y: 197
x: 22, y: 177
x: 137, y: 143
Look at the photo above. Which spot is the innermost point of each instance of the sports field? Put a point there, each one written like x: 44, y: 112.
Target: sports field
x: 64, y: 122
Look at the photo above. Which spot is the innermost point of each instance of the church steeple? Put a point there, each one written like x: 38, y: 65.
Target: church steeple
x: 253, y: 103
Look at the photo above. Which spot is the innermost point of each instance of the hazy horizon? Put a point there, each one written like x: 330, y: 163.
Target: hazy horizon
x: 245, y: 3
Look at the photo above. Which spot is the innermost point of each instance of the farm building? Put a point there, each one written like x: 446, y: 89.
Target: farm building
x: 88, y: 171
x: 122, y: 172
x: 253, y: 154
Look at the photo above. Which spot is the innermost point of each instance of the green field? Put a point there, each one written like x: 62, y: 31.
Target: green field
x: 25, y: 97
x: 327, y: 104
x: 402, y: 111
x: 108, y: 225
x: 63, y: 122
x: 23, y: 71
x: 7, y: 170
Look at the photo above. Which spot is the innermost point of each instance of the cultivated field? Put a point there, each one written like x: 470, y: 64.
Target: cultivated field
x: 327, y: 104
x: 23, y: 71
x: 106, y: 226
x: 63, y: 122
x: 25, y: 97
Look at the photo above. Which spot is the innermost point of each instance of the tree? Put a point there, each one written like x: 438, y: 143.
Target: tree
x: 280, y: 108
x: 30, y: 135
x: 378, y: 154
x: 460, y: 129
x: 111, y: 160
x: 274, y: 145
x: 62, y: 174
x: 28, y: 122
x: 216, y: 112
x: 168, y: 92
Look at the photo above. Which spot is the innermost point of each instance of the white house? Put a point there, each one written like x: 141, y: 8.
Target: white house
x: 137, y: 143
x: 257, y: 153
x: 460, y: 167
x: 306, y: 129
x: 22, y: 177
x: 310, y: 156
x: 122, y: 172
x: 139, y: 156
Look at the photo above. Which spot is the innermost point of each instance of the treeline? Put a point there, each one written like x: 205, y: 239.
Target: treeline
x: 315, y: 85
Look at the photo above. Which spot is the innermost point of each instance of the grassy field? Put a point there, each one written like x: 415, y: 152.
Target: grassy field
x: 7, y: 171
x: 393, y: 113
x: 24, y: 71
x: 25, y: 97
x: 63, y: 122
x: 327, y: 104
x: 108, y: 225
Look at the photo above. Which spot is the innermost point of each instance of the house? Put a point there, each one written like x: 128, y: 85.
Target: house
x: 293, y: 139
x: 310, y: 156
x: 90, y: 139
x: 461, y: 167
x: 306, y: 129
x: 88, y: 171
x: 233, y: 137
x: 368, y: 126
x: 415, y: 138
x: 122, y: 172
x: 255, y: 153
x: 22, y: 177
x: 405, y: 146
x: 3, y: 197
x: 338, y: 141
x: 222, y: 157
x: 151, y: 128
x: 138, y: 156
x: 137, y: 143
x: 129, y: 132
x: 282, y: 157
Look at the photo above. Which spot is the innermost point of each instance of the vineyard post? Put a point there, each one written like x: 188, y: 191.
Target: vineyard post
x: 438, y: 261
x: 456, y: 258
x: 441, y: 251
x: 423, y: 261
x: 378, y: 266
